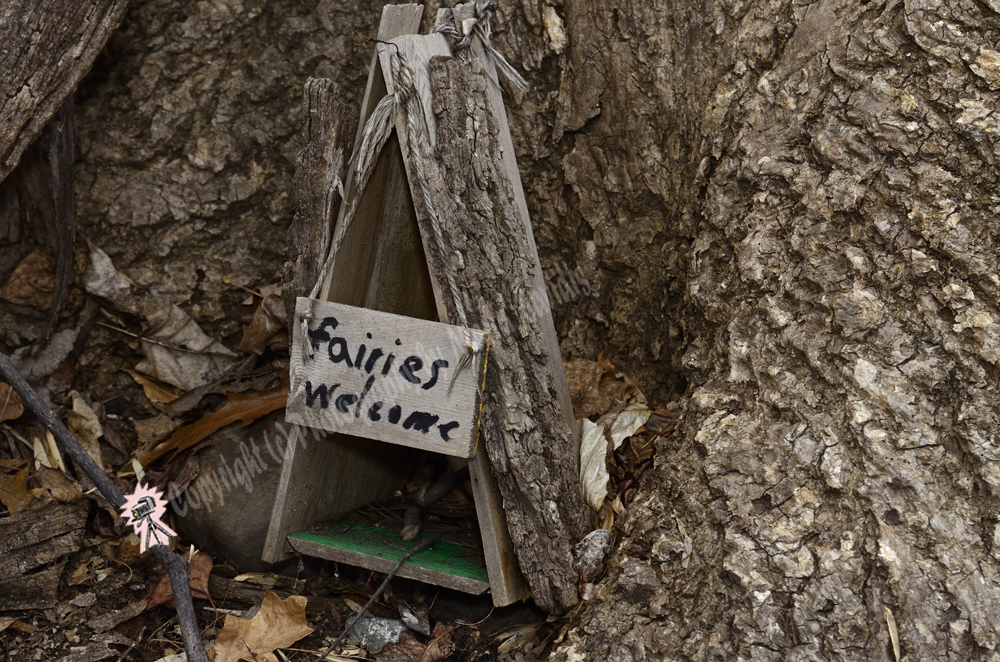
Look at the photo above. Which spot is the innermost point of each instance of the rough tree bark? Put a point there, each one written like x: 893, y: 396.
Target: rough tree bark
x: 785, y: 210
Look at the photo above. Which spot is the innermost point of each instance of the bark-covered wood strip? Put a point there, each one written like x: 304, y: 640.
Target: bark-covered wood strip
x: 530, y: 443
x: 329, y: 124
x: 32, y: 527
x: 16, y: 563
x: 48, y: 47
x: 36, y: 591
x: 507, y: 157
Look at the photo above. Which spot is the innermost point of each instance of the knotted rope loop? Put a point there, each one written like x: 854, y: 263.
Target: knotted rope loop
x: 461, y: 41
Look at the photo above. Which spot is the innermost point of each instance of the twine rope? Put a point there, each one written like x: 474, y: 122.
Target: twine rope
x: 461, y: 42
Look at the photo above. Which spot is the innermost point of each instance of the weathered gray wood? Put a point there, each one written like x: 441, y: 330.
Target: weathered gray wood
x: 48, y: 47
x: 324, y: 477
x: 526, y: 431
x: 37, y: 591
x: 35, y: 537
x: 408, y: 571
x: 388, y: 377
x: 328, y: 130
x: 330, y: 477
x: 508, y: 159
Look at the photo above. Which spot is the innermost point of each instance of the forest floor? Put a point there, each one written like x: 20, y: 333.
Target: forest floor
x: 145, y: 390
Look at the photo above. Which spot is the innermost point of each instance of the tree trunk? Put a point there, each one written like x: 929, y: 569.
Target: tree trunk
x: 785, y: 211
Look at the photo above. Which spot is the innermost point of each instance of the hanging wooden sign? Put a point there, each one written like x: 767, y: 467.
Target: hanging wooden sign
x: 388, y: 377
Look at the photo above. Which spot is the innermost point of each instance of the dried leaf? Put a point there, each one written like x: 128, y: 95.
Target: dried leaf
x: 160, y: 591
x: 36, y: 367
x: 279, y: 623
x: 104, y: 282
x: 268, y: 321
x: 153, y: 430
x: 594, y: 386
x: 48, y: 484
x: 155, y: 391
x: 239, y: 407
x: 11, y: 406
x: 14, y: 491
x: 594, y: 448
x: 32, y: 282
x: 201, y: 360
x: 83, y: 423
x: 46, y: 453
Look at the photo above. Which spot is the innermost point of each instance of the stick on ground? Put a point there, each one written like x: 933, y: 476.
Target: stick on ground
x: 426, y: 542
x: 176, y: 567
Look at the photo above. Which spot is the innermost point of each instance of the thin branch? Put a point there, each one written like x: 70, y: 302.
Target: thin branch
x: 426, y: 542
x: 176, y: 567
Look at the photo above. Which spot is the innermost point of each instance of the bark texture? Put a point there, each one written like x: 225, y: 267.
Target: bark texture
x: 49, y: 46
x: 787, y: 208
x: 530, y: 443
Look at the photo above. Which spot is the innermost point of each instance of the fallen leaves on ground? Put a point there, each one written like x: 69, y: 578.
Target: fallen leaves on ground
x: 410, y: 649
x: 200, y: 568
x: 243, y: 408
x: 192, y: 358
x: 14, y: 488
x: 83, y: 423
x: 103, y: 281
x: 155, y: 391
x: 269, y: 321
x: 48, y: 484
x: 278, y: 624
x: 599, y: 440
x: 11, y: 406
x: 32, y: 282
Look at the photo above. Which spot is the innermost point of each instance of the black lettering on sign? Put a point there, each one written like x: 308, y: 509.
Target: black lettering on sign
x: 319, y: 334
x: 344, y: 401
x: 411, y: 365
x: 388, y: 364
x: 372, y: 358
x: 437, y: 365
x: 360, y: 357
x: 321, y: 392
x: 420, y: 420
x: 364, y: 392
x: 373, y: 411
x: 341, y: 354
x: 446, y: 428
x: 394, y: 414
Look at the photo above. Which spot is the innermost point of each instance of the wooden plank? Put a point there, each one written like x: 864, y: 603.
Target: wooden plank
x: 508, y: 158
x: 325, y: 477
x: 37, y: 591
x: 507, y: 582
x: 379, y: 548
x: 529, y: 438
x: 330, y: 477
x: 388, y: 377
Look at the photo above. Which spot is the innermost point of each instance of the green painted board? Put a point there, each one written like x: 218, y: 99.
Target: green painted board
x: 379, y: 548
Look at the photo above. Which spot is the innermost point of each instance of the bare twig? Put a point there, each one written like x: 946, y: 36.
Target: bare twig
x: 133, y: 645
x: 426, y: 542
x: 168, y: 345
x: 175, y: 566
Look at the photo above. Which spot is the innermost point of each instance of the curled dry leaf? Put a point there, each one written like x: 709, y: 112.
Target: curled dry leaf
x: 160, y: 592
x: 269, y: 320
x: 14, y: 491
x: 83, y: 423
x: 595, y: 387
x: 193, y: 359
x: 11, y: 406
x: 154, y: 391
x: 104, y: 282
x: 32, y: 282
x: 243, y: 408
x: 594, y: 448
x: 48, y: 485
x: 279, y: 623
